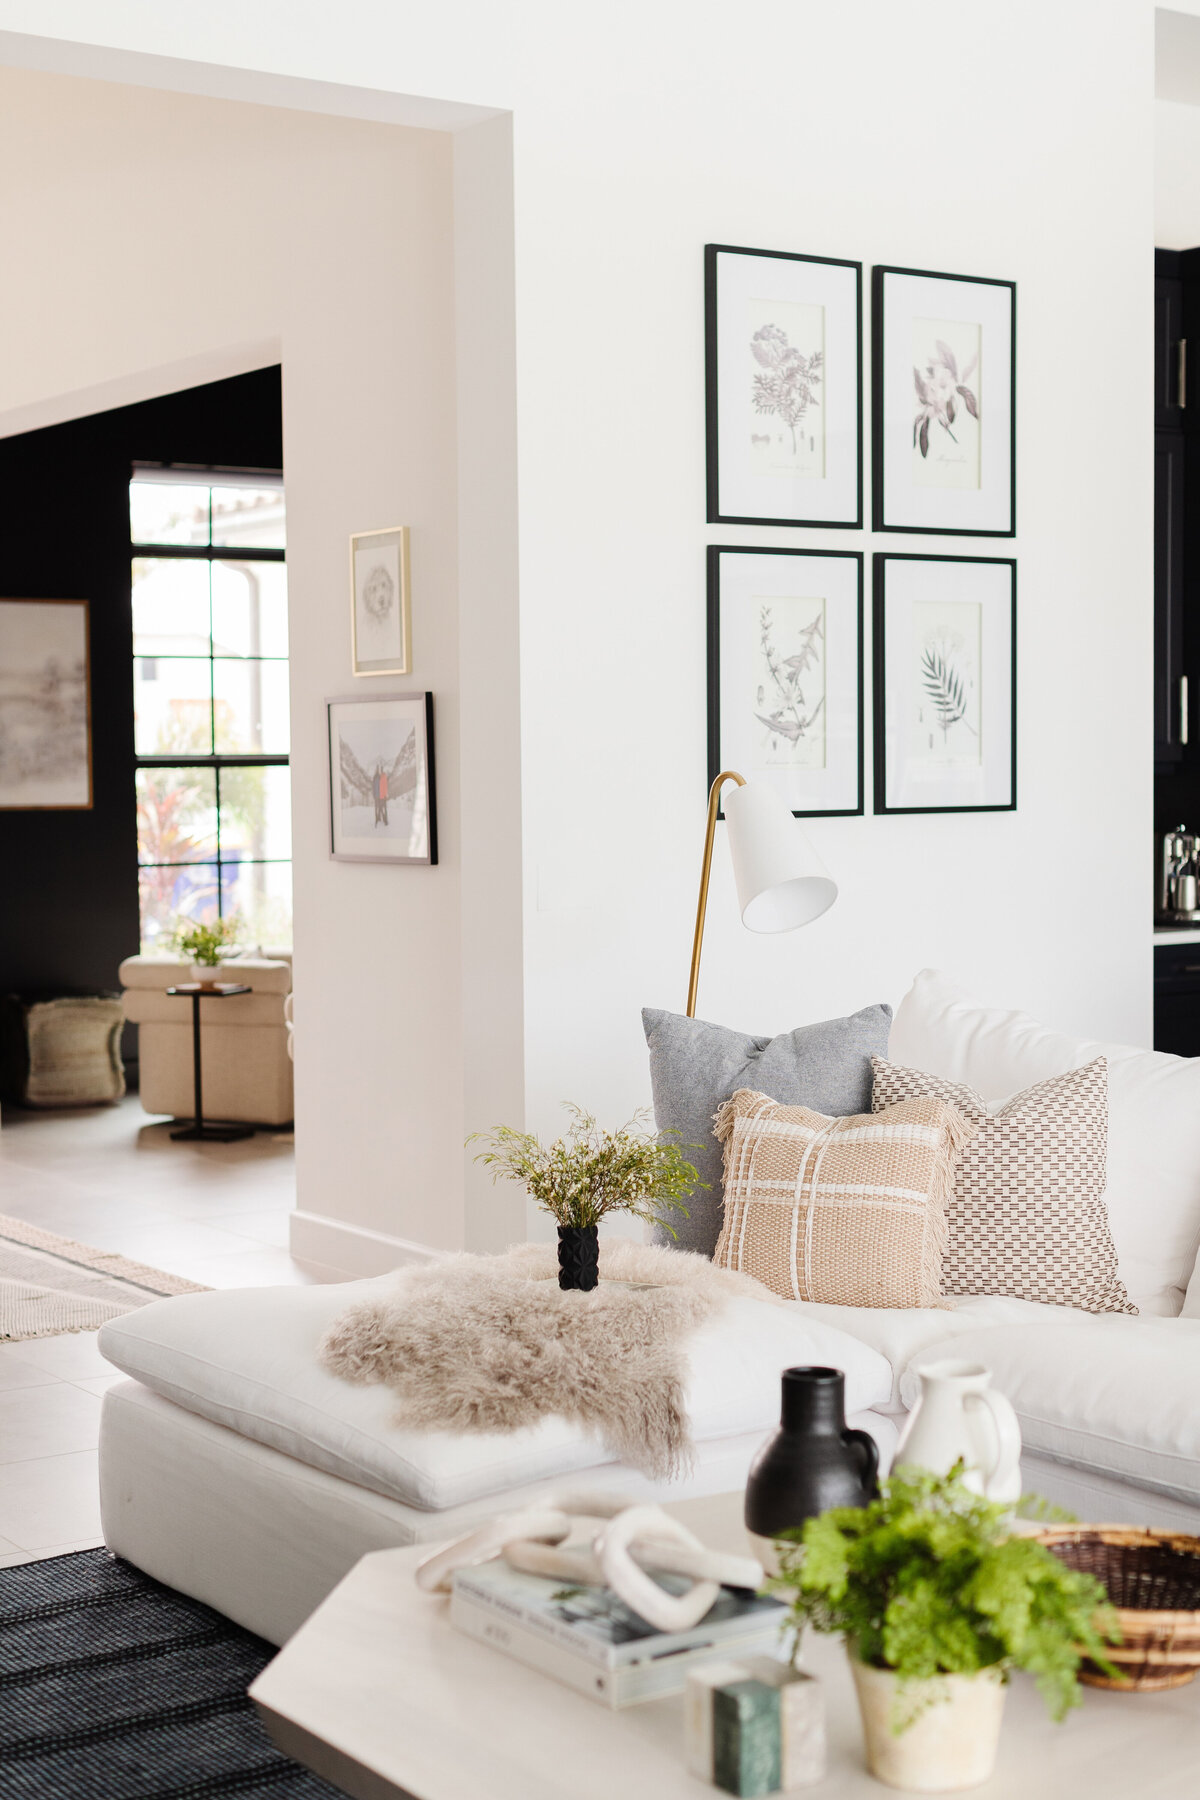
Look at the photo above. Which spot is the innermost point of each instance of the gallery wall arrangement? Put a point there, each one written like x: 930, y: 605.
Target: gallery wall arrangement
x: 784, y: 411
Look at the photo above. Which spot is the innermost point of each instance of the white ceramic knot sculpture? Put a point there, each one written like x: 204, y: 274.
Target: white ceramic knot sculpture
x: 629, y: 1542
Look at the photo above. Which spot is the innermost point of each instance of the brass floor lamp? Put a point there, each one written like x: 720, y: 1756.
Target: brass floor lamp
x: 781, y: 881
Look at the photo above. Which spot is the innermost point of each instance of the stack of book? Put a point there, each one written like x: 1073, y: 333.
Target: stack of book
x: 590, y: 1639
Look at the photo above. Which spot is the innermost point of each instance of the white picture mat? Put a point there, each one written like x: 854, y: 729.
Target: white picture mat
x: 987, y: 508
x: 742, y: 492
x: 45, y: 748
x: 745, y: 580
x: 374, y: 731
x: 990, y: 585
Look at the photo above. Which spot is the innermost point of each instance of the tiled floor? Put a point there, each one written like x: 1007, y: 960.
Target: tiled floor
x: 111, y: 1177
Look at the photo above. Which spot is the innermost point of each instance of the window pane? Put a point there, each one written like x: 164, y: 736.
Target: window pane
x: 260, y: 894
x: 172, y: 705
x: 256, y: 814
x: 250, y: 706
x: 166, y: 512
x: 248, y: 515
x: 170, y: 607
x: 177, y: 815
x: 249, y: 609
x: 168, y: 896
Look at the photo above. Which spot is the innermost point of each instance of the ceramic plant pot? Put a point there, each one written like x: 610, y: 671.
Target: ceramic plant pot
x: 207, y: 974
x: 578, y: 1256
x: 812, y: 1462
x: 952, y: 1742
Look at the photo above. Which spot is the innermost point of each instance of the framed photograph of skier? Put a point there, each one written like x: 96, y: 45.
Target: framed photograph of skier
x: 380, y: 603
x: 783, y: 353
x: 944, y: 403
x: 945, y: 684
x: 785, y: 674
x: 382, y: 806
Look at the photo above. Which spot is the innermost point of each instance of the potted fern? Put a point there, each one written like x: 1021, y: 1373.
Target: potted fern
x: 938, y: 1600
x: 588, y: 1174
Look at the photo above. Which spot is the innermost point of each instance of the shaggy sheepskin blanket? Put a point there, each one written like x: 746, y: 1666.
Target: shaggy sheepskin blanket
x: 491, y: 1343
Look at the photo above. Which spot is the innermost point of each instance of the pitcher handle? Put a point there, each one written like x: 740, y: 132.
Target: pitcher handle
x: 1007, y: 1466
x: 864, y: 1442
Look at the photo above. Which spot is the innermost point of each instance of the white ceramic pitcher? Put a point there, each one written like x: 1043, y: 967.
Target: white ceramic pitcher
x: 958, y: 1415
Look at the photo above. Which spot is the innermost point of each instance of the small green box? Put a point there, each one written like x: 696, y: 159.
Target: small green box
x: 746, y: 1738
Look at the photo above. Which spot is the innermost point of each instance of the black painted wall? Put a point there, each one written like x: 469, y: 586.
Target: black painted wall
x: 68, y: 880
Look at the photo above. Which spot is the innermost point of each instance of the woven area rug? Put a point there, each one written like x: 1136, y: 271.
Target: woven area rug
x: 51, y: 1284
x: 115, y: 1688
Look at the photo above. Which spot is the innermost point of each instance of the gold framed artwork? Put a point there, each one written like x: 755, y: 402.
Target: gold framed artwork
x: 45, y: 706
x: 380, y: 603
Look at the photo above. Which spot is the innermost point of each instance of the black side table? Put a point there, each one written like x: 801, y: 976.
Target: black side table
x: 198, y: 1131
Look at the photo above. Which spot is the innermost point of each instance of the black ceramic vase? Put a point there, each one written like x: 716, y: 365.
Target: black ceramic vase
x: 578, y: 1256
x: 814, y: 1461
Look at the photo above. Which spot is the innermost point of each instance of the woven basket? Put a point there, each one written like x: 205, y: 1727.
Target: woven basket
x: 1153, y: 1580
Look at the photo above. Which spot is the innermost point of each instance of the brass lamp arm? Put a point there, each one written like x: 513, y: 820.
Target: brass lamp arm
x: 714, y: 806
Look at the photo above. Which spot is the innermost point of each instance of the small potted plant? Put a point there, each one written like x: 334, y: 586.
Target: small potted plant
x: 205, y: 945
x: 938, y: 1601
x: 589, y: 1173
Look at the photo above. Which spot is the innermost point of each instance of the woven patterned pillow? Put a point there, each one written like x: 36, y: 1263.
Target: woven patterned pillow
x: 849, y: 1212
x: 1028, y: 1217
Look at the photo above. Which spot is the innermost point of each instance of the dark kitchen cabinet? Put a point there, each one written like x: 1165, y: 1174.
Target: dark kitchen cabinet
x: 1170, y: 347
x: 1170, y: 684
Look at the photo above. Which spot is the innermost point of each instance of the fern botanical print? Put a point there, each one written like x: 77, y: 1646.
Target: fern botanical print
x: 786, y: 387
x: 947, y: 649
x: 946, y: 371
x: 788, y: 703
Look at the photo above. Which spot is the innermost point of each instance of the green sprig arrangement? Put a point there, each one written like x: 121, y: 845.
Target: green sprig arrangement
x: 204, y: 943
x: 928, y: 1580
x: 582, y: 1177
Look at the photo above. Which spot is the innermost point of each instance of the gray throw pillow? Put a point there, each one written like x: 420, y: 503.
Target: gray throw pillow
x: 694, y: 1066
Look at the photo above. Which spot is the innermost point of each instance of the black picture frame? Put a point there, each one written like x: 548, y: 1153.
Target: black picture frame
x: 715, y: 554
x: 880, y: 562
x: 879, y: 521
x: 361, y: 700
x: 715, y: 516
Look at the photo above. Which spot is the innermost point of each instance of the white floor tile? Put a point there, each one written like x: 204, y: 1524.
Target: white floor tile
x: 46, y: 1421
x: 71, y: 1357
x: 100, y: 1384
x: 260, y: 1227
x: 11, y: 1560
x: 50, y: 1501
x: 16, y: 1371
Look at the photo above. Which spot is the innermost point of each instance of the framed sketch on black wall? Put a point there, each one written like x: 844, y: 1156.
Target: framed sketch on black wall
x: 944, y: 386
x: 945, y: 684
x: 783, y: 336
x: 785, y: 674
x: 45, y: 706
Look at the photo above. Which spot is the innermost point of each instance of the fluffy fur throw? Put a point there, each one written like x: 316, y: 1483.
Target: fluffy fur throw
x: 491, y: 1343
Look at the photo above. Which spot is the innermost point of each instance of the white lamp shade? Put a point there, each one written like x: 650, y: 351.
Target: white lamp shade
x: 781, y: 881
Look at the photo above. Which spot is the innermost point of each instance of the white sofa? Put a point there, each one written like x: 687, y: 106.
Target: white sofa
x: 232, y: 1467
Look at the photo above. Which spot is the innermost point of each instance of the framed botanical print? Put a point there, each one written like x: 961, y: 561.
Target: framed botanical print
x: 785, y: 674
x: 45, y: 706
x: 944, y: 400
x: 382, y: 805
x: 380, y: 604
x: 783, y: 336
x: 945, y: 684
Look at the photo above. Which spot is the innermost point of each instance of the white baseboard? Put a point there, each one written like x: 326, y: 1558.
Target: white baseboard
x: 351, y: 1250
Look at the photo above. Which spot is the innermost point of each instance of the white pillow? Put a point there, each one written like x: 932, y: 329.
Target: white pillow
x: 1153, y: 1193
x: 247, y: 1358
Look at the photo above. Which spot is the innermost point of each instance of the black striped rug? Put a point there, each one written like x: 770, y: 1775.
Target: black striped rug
x: 113, y: 1687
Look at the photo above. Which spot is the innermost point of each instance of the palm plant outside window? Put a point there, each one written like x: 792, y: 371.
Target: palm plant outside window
x: 211, y: 729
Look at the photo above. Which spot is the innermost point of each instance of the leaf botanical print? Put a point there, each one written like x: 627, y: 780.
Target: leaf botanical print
x: 787, y: 387
x: 946, y: 688
x: 785, y: 711
x: 940, y: 390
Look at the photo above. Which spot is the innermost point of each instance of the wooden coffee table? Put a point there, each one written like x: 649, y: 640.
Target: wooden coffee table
x: 376, y: 1693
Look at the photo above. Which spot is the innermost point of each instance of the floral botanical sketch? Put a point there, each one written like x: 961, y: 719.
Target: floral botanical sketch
x: 786, y: 388
x: 788, y: 672
x: 44, y: 753
x: 946, y: 375
x: 946, y: 683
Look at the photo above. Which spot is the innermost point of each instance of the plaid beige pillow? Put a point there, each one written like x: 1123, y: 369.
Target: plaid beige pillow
x: 1028, y: 1217
x: 850, y: 1212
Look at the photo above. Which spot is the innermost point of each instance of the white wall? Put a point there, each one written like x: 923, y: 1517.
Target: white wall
x: 1007, y: 138
x: 1176, y: 174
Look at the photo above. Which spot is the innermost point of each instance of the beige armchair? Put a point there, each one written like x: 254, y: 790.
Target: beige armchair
x: 246, y: 1068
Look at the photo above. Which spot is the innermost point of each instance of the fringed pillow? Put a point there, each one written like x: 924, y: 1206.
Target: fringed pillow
x: 847, y: 1212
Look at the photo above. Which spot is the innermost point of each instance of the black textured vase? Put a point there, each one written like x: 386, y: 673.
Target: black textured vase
x: 578, y: 1256
x: 814, y: 1461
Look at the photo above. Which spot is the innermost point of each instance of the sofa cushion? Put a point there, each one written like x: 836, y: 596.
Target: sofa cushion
x: 1153, y: 1192
x: 247, y: 1358
x: 1117, y: 1397
x: 695, y: 1066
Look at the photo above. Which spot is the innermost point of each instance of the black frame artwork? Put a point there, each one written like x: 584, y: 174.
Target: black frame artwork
x: 715, y: 763
x: 880, y: 563
x: 879, y: 379
x: 716, y: 516
x: 370, y: 701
